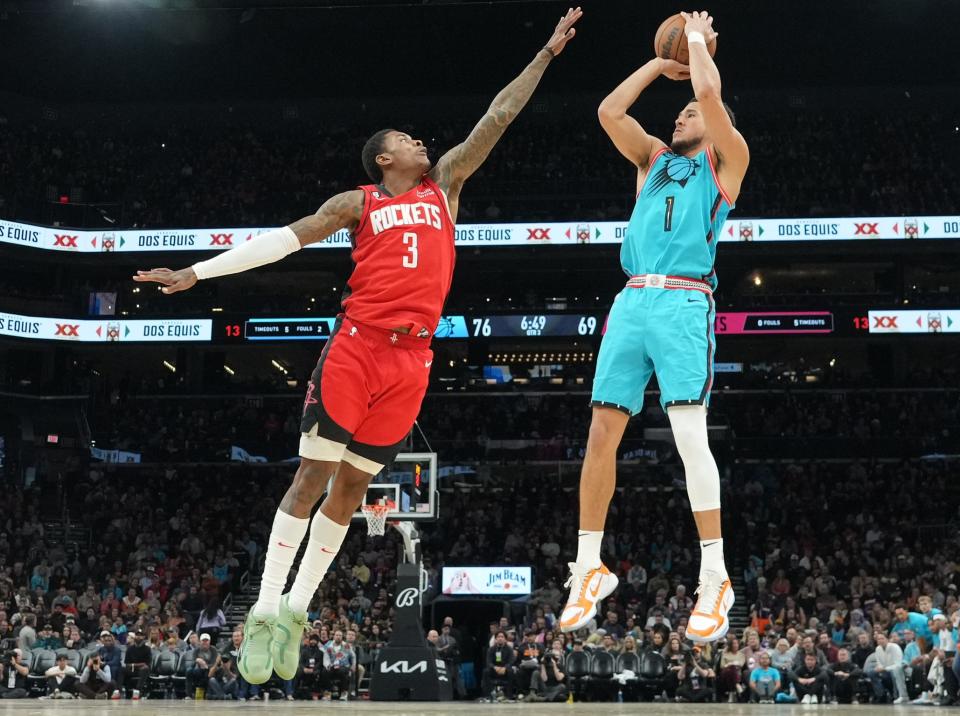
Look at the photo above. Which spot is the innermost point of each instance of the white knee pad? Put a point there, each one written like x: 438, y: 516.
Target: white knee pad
x: 689, y: 425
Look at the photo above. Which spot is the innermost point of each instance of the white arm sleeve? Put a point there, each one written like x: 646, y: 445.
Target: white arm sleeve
x: 263, y: 249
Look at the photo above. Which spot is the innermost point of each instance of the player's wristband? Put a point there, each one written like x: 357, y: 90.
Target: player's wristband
x: 696, y: 37
x: 263, y: 249
x: 549, y: 51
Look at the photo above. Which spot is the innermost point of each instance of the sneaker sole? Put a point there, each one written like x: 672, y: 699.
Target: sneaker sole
x: 582, y: 621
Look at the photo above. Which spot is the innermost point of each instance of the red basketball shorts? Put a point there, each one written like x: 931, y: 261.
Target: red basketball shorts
x: 364, y: 395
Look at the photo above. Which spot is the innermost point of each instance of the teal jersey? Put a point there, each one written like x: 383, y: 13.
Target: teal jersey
x: 678, y: 216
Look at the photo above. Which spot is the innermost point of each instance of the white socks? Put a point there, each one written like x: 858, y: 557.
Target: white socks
x: 588, y: 548
x: 711, y: 556
x: 326, y: 536
x: 285, y: 539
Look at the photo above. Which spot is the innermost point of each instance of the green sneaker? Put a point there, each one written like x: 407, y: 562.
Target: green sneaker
x: 287, y: 640
x: 255, y: 660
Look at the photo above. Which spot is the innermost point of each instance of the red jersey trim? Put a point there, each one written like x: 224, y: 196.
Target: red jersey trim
x: 716, y: 180
x: 649, y: 167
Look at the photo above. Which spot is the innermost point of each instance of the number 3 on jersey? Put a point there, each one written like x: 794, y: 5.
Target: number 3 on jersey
x: 413, y: 255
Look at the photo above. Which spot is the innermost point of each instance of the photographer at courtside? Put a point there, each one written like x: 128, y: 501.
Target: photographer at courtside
x: 13, y: 675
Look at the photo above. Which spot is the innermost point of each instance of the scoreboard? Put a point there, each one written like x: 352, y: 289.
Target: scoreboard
x: 546, y: 324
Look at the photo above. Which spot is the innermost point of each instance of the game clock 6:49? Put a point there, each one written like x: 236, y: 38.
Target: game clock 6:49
x: 540, y: 324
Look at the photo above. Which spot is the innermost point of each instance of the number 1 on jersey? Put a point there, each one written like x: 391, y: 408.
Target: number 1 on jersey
x: 668, y: 215
x: 413, y: 255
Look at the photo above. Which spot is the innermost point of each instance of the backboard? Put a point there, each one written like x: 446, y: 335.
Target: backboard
x: 411, y: 483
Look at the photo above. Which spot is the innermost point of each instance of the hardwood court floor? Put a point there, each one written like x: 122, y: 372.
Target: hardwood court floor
x: 33, y: 707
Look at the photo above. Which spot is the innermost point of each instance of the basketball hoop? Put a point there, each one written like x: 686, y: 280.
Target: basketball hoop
x: 376, y: 516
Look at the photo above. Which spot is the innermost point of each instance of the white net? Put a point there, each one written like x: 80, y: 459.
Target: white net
x: 376, y: 518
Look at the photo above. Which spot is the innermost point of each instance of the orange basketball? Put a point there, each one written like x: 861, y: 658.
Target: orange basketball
x: 670, y: 42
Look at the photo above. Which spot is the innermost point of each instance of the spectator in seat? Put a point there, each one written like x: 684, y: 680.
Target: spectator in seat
x: 676, y: 658
x: 827, y: 647
x: 499, y: 667
x: 224, y: 681
x: 111, y: 656
x: 810, y: 680
x: 914, y: 621
x: 844, y: 674
x: 765, y: 680
x: 863, y: 649
x: 680, y: 604
x: 47, y: 639
x: 858, y: 625
x: 613, y: 626
x: 206, y: 660
x: 732, y: 662
x: 695, y: 677
x: 339, y: 663
x: 60, y: 678
x: 311, y: 665
x: 888, y: 675
x: 528, y: 660
x: 137, y: 661
x: 211, y: 619
x: 359, y: 669
x: 131, y: 603
x: 28, y: 634
x: 95, y: 681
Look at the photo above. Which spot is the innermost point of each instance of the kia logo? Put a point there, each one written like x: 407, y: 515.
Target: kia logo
x: 867, y: 229
x: 68, y: 330
x: 67, y: 242
x: 221, y: 239
x: 403, y: 667
x: 885, y: 321
x: 408, y: 597
x: 538, y: 234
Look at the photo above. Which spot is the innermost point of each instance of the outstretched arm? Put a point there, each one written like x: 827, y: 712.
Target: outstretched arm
x: 625, y: 132
x: 342, y: 211
x: 728, y: 143
x: 464, y: 159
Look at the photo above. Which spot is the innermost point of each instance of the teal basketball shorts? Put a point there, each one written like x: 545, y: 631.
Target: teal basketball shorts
x: 656, y: 330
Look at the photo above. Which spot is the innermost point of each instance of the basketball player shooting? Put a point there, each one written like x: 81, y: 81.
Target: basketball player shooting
x: 662, y: 321
x: 367, y: 387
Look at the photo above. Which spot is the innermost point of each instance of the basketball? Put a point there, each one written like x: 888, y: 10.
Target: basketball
x: 670, y: 42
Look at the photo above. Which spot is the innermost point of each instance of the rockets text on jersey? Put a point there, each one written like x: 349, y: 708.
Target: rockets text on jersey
x: 403, y: 254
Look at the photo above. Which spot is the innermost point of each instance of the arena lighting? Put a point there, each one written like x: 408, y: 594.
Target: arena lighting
x: 229, y: 370
x: 757, y: 280
x: 217, y: 310
x: 170, y: 366
x: 278, y: 366
x: 53, y: 439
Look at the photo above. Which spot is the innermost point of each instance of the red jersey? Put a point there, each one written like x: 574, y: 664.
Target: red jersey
x: 403, y: 254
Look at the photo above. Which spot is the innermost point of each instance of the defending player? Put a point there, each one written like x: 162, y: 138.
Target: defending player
x: 663, y: 319
x: 370, y: 380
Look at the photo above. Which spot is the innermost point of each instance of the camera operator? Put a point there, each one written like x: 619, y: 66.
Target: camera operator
x: 547, y: 682
x: 693, y: 677
x: 13, y: 675
x: 95, y: 681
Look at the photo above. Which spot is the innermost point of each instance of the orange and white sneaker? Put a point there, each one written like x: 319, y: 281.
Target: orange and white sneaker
x: 709, y: 621
x: 587, y: 588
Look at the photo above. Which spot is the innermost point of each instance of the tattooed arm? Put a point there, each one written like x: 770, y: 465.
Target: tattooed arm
x: 464, y: 159
x: 342, y: 211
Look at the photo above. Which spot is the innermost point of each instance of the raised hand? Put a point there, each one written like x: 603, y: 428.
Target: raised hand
x: 564, y: 31
x: 701, y: 22
x: 172, y: 281
x: 674, y: 70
